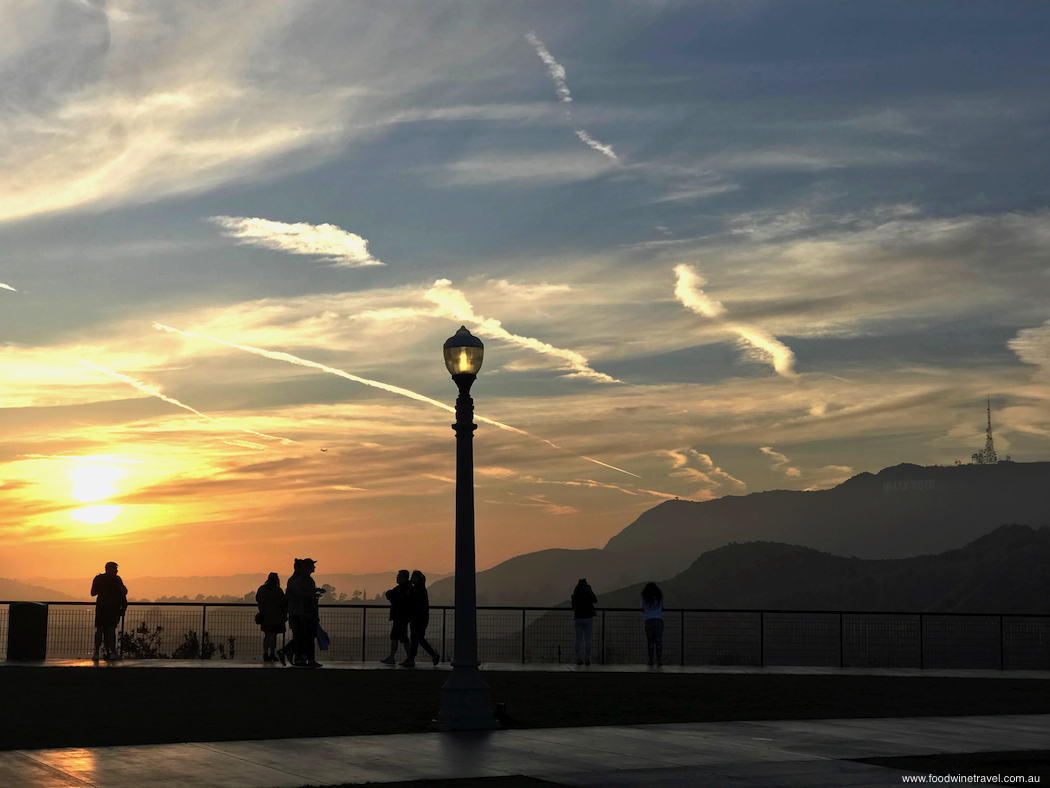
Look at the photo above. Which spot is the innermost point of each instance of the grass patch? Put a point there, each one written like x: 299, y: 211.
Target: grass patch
x: 82, y: 707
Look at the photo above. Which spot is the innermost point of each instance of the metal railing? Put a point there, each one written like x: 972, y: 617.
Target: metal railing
x: 546, y: 635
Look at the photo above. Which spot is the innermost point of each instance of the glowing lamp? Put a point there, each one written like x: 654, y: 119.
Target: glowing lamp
x: 463, y: 353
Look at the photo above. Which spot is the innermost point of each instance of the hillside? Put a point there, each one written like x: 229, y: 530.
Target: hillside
x: 903, y: 511
x: 13, y: 591
x: 1002, y: 572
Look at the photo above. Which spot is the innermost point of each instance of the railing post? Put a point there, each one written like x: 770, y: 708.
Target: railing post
x: 681, y: 632
x: 842, y: 639
x: 922, y: 646
x: 204, y: 631
x: 762, y: 638
x: 364, y: 632
x: 120, y: 642
x: 1002, y: 662
x: 444, y: 612
x: 523, y: 636
x: 603, y: 637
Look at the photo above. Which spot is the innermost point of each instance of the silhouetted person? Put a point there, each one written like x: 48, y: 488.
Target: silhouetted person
x: 273, y: 612
x: 653, y: 607
x: 400, y: 615
x: 419, y: 618
x: 583, y: 601
x: 109, y: 607
x: 302, y: 594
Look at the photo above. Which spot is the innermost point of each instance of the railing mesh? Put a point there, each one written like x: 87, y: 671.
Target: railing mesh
x: 547, y: 636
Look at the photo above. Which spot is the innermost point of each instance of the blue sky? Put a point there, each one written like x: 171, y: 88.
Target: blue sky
x: 763, y: 246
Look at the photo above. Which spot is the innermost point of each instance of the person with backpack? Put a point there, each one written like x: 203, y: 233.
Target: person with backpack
x: 419, y: 618
x: 110, y: 605
x: 400, y: 615
x: 583, y: 613
x: 273, y: 612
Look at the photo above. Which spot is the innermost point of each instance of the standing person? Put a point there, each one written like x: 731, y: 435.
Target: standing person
x: 400, y: 614
x: 109, y: 607
x: 302, y: 594
x: 419, y: 618
x: 583, y: 601
x: 653, y: 607
x: 273, y: 612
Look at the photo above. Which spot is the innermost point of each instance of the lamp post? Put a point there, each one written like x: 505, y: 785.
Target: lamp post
x: 465, y: 696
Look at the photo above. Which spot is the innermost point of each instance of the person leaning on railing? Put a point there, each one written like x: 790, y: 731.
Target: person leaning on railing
x: 583, y: 613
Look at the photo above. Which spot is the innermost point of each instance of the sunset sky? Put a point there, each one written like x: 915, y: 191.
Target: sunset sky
x: 711, y: 248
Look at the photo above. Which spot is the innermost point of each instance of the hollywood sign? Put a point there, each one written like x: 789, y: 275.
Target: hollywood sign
x: 912, y: 484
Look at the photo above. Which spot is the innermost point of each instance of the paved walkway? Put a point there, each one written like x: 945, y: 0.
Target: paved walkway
x: 809, y: 753
x: 542, y: 667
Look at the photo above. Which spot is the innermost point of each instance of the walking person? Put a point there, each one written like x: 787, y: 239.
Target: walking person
x: 400, y: 615
x: 110, y: 605
x: 653, y: 608
x: 273, y: 612
x: 302, y: 594
x: 583, y: 613
x: 419, y: 618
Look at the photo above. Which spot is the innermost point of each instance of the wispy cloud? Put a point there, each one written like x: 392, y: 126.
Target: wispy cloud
x: 153, y: 391
x: 327, y: 242
x: 780, y: 460
x: 453, y: 303
x: 7, y: 287
x: 555, y: 68
x: 605, y: 150
x: 302, y: 362
x: 561, y: 89
x: 760, y: 344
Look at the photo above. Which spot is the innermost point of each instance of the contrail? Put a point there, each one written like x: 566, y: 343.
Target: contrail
x: 302, y: 362
x: 765, y: 346
x: 561, y: 89
x: 89, y: 457
x: 153, y: 391
x: 453, y: 303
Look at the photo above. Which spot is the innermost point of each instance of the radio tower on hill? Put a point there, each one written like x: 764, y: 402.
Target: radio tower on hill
x: 987, y: 457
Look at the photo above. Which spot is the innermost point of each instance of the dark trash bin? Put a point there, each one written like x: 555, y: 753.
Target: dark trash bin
x: 27, y: 630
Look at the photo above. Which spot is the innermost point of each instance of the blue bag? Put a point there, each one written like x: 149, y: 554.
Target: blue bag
x: 322, y: 638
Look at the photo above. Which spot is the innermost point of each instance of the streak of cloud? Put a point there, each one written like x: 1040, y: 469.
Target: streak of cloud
x: 556, y: 70
x: 453, y: 303
x: 84, y: 457
x: 247, y: 445
x: 561, y: 89
x: 328, y: 242
x: 153, y: 391
x: 780, y: 460
x: 758, y: 343
x: 377, y: 384
x: 7, y: 287
x: 605, y: 150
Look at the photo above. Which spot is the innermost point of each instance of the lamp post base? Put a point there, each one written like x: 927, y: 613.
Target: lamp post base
x: 465, y: 704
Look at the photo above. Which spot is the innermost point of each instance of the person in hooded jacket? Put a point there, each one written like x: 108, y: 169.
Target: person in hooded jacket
x: 302, y: 594
x: 273, y: 612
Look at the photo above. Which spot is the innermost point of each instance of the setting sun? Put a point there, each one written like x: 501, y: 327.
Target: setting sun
x: 94, y: 482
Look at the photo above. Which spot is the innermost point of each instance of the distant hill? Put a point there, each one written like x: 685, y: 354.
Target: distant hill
x: 13, y: 591
x: 1006, y: 571
x: 151, y: 588
x: 906, y: 510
